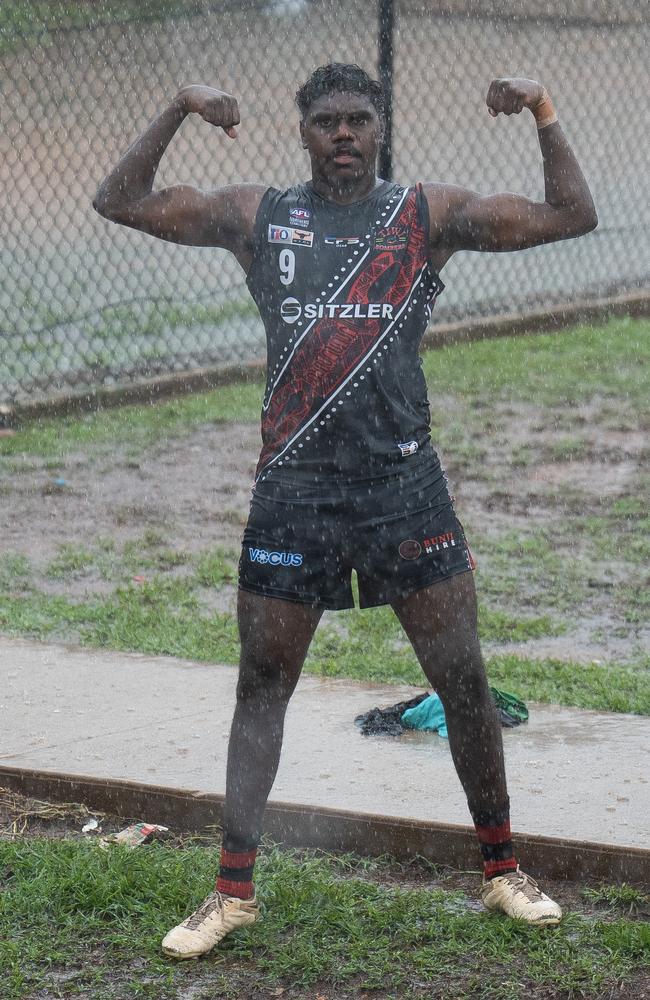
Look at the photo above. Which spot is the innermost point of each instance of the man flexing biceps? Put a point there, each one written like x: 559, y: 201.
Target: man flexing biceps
x: 345, y: 270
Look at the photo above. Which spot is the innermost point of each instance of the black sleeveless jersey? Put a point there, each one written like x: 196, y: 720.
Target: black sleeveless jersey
x: 345, y: 293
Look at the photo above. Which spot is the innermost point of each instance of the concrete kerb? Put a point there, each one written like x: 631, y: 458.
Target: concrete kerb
x: 635, y: 304
x: 334, y: 829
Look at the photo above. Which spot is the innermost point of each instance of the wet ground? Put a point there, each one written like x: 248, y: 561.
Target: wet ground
x: 572, y: 774
x: 552, y: 511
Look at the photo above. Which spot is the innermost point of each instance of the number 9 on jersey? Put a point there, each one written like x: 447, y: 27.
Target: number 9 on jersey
x: 287, y: 266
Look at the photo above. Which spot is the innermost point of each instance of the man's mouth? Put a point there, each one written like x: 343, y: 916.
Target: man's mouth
x: 345, y: 156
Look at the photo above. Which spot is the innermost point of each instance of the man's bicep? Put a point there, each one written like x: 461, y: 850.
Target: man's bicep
x: 190, y: 216
x: 503, y: 222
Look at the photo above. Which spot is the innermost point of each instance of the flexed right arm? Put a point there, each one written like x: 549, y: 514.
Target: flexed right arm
x: 182, y: 214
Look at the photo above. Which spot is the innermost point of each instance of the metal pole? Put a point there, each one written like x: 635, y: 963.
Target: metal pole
x: 386, y: 25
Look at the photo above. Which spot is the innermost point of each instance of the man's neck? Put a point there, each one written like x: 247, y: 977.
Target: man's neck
x: 345, y: 194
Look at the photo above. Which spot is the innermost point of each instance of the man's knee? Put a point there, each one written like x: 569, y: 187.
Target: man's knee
x: 262, y: 680
x: 464, y: 688
x: 275, y: 636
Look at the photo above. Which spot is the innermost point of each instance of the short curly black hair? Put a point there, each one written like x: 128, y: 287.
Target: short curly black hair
x: 340, y: 78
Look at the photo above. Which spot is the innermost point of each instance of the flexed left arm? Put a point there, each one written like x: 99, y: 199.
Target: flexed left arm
x: 470, y: 221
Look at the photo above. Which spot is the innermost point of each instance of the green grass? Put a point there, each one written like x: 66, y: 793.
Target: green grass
x: 549, y: 369
x: 21, y: 20
x: 15, y: 571
x: 558, y: 566
x: 156, y: 318
x: 71, y: 559
x: 140, y: 426
x: 611, y: 688
x: 160, y: 617
x: 216, y: 567
x: 627, y: 898
x: 552, y: 369
x: 101, y: 915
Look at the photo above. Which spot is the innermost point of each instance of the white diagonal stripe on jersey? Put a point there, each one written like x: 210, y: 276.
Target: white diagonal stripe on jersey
x: 399, y: 205
x: 354, y: 371
x: 267, y: 401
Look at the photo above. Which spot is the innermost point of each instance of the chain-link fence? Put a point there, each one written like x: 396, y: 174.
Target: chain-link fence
x: 84, y: 302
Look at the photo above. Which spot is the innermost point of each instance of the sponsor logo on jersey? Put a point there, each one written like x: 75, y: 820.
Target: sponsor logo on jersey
x: 342, y: 241
x: 291, y: 310
x: 299, y: 217
x: 275, y: 558
x: 302, y: 237
x: 408, y: 447
x: 393, y: 238
x: 280, y: 234
x: 287, y: 234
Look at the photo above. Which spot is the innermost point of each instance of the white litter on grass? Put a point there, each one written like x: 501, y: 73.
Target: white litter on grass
x: 134, y: 835
x: 92, y: 824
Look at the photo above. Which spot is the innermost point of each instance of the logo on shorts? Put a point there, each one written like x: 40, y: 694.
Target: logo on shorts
x: 407, y: 447
x: 439, y: 542
x: 275, y: 558
x: 409, y: 549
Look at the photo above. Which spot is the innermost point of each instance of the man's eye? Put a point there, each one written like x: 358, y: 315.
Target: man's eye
x: 325, y: 122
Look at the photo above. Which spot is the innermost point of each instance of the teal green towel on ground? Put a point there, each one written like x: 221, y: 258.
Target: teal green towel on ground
x: 428, y: 715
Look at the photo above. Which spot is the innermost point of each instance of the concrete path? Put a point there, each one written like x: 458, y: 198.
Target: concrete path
x: 573, y: 774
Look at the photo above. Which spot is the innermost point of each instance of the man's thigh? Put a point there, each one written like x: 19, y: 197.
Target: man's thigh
x: 440, y: 621
x: 275, y: 637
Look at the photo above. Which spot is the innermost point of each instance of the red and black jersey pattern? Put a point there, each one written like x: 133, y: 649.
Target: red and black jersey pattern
x: 358, y: 334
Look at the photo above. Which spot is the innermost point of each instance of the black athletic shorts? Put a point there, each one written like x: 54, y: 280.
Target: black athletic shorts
x: 398, y: 531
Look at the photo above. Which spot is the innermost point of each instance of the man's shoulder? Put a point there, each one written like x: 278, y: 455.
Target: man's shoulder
x: 285, y: 199
x: 293, y: 192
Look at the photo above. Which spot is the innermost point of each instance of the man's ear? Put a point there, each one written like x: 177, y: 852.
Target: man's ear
x: 302, y: 135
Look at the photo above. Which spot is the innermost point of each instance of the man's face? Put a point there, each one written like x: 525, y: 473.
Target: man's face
x: 342, y: 133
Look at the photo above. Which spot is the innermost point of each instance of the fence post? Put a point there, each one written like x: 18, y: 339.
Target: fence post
x: 386, y: 10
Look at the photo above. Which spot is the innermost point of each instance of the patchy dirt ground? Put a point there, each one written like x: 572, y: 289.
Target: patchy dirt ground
x: 538, y: 501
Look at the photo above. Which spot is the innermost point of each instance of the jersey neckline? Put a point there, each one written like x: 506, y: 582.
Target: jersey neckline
x: 375, y: 193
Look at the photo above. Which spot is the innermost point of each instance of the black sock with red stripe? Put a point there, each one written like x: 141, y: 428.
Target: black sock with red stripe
x: 493, y: 831
x: 236, y: 871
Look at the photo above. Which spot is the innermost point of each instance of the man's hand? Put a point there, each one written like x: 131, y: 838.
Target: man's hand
x: 510, y: 95
x: 214, y: 106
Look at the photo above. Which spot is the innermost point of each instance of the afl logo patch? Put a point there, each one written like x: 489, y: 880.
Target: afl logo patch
x: 409, y: 549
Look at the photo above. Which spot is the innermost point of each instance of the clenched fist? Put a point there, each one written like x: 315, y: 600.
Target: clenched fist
x: 510, y: 95
x: 214, y: 106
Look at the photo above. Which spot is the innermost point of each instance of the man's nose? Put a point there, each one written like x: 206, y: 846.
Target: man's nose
x: 343, y: 130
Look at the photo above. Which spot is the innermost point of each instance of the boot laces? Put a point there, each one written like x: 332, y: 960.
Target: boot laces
x: 525, y: 885
x: 211, y: 903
